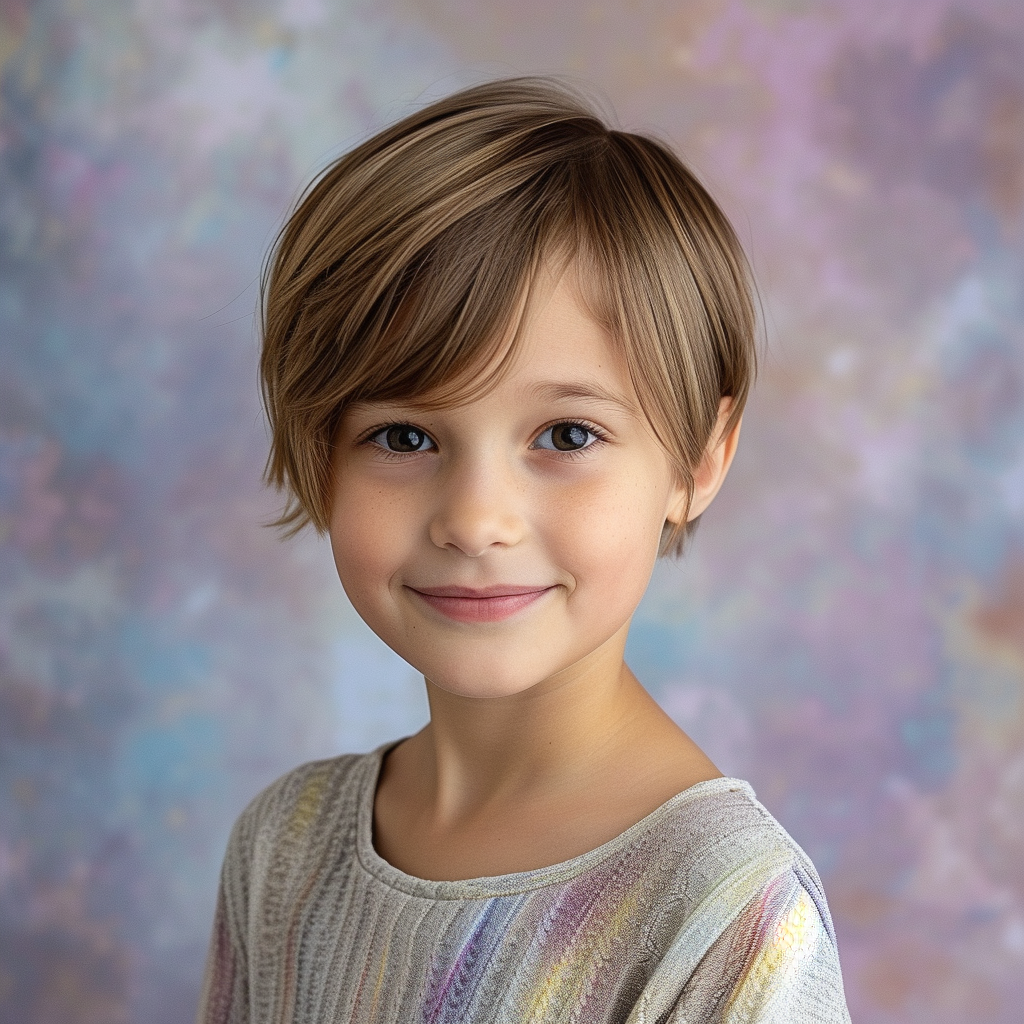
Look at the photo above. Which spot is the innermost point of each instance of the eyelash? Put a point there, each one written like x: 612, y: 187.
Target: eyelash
x: 386, y: 453
x: 600, y: 438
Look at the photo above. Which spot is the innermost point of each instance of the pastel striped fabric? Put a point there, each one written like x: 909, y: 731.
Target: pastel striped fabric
x: 704, y: 911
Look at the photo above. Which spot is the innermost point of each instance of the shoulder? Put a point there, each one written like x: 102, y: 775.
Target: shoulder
x: 776, y: 960
x: 302, y: 791
x: 753, y: 935
x: 288, y: 827
x: 719, y: 850
x: 292, y: 819
x: 720, y: 830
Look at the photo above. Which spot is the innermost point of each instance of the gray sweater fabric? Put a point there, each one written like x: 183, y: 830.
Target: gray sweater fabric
x: 704, y: 911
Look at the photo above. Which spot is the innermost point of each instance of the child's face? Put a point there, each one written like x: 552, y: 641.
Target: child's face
x: 552, y: 483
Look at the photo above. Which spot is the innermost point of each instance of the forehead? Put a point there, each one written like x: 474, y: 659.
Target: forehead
x: 555, y: 349
x: 557, y: 331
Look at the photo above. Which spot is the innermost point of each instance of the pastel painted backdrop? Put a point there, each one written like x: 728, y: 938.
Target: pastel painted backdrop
x: 848, y: 631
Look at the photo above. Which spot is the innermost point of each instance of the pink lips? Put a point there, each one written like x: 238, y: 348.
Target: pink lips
x: 486, y: 604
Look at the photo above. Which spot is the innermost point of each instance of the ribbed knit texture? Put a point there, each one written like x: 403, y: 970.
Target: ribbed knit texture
x: 704, y: 911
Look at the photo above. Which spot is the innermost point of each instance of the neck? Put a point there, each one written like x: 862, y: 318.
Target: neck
x: 554, y: 736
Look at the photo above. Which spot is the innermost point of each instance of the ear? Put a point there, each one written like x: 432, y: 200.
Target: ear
x: 709, y: 476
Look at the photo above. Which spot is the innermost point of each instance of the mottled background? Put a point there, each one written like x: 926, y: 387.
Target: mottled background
x: 848, y: 631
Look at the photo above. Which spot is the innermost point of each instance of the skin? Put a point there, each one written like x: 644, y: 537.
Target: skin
x: 541, y: 743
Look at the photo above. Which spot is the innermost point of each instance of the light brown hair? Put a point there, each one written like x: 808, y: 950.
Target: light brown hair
x: 403, y: 267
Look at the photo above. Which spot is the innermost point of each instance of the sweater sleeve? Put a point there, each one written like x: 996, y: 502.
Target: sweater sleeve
x: 224, y: 998
x: 776, y: 963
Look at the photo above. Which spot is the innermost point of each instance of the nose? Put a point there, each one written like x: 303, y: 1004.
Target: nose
x: 479, y: 509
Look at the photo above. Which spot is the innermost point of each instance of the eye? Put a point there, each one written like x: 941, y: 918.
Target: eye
x: 402, y: 438
x: 567, y: 437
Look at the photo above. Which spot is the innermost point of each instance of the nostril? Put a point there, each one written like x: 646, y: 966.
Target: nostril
x: 475, y: 531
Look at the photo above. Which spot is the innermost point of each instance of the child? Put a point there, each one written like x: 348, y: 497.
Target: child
x: 506, y: 352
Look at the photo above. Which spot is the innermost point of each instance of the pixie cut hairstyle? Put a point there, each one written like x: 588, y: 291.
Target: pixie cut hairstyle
x: 403, y: 271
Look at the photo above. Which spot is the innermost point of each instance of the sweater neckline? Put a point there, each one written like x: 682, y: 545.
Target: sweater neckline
x: 517, y: 882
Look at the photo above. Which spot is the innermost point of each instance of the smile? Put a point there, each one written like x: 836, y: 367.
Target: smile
x: 488, y: 604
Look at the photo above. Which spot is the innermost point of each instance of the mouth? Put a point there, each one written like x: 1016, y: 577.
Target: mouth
x: 484, y: 604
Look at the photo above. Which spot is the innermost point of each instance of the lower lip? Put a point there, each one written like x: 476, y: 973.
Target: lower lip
x: 482, y: 609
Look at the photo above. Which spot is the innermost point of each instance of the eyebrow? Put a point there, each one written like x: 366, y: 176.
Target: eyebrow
x: 554, y: 391
x: 545, y: 391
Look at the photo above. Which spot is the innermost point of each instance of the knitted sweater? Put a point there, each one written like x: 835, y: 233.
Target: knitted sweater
x: 704, y: 911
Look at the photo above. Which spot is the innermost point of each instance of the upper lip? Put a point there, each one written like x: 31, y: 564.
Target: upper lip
x: 497, y: 590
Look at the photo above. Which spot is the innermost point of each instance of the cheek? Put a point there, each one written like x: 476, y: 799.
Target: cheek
x: 365, y: 538
x: 610, y: 532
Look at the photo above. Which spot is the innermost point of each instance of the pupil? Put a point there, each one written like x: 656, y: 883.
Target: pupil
x: 568, y: 436
x: 404, y: 439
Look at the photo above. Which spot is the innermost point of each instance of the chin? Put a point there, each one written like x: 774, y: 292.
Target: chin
x: 482, y: 683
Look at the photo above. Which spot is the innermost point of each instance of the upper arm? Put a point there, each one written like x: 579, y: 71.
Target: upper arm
x: 776, y: 962
x: 224, y: 998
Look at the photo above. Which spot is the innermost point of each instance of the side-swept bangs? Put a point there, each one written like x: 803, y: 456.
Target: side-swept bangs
x: 404, y: 268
